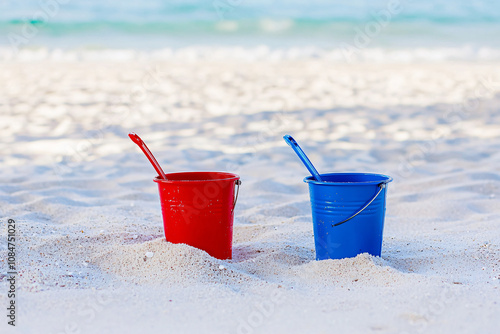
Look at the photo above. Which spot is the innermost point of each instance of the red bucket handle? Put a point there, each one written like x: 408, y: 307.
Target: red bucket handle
x: 237, y: 183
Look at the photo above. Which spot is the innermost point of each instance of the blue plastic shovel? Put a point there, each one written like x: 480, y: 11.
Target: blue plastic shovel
x: 293, y: 144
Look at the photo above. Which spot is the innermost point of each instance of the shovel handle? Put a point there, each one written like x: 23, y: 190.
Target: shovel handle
x: 136, y: 139
x: 305, y: 160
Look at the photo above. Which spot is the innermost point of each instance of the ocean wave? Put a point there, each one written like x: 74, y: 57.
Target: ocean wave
x: 277, y: 33
x: 259, y: 53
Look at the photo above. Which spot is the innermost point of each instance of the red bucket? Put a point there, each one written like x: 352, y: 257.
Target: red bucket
x: 198, y: 210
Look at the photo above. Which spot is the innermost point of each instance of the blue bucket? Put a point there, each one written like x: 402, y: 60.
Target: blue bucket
x: 348, y: 211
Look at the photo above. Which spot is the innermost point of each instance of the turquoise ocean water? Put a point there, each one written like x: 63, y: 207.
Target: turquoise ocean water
x: 156, y: 24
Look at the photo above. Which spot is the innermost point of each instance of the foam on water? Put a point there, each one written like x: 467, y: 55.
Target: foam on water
x: 262, y: 52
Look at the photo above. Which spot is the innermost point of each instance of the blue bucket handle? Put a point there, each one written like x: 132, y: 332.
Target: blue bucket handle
x: 381, y: 186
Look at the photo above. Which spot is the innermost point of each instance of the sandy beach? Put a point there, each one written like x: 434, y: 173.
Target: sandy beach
x: 86, y: 209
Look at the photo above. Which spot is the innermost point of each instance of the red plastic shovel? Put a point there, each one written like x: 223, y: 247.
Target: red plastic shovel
x: 136, y: 139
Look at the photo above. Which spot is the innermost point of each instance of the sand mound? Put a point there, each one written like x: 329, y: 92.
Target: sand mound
x: 362, y: 269
x: 160, y: 262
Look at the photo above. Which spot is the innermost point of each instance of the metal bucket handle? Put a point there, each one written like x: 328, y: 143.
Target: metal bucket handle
x: 237, y: 183
x: 381, y: 186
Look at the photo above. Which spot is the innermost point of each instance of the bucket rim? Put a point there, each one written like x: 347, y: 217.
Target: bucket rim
x: 230, y: 177
x: 386, y: 179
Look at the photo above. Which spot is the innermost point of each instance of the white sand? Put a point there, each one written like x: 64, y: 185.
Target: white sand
x: 87, y: 211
